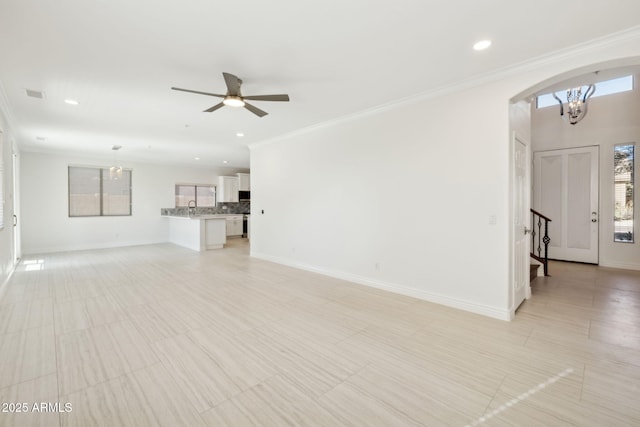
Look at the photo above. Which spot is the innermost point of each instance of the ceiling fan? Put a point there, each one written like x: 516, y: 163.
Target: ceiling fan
x: 234, y: 97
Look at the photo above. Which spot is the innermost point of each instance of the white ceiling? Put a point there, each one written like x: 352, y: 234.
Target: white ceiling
x: 334, y: 58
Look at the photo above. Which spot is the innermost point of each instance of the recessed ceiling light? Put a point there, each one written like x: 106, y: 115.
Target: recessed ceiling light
x: 225, y: 162
x: 482, y: 45
x: 197, y: 158
x: 71, y: 101
x: 239, y: 134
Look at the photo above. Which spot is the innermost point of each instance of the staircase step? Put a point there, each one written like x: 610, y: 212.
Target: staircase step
x: 533, y: 271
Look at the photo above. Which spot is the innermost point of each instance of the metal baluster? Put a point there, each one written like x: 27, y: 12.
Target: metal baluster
x: 546, y: 241
x: 543, y: 239
x: 539, y: 235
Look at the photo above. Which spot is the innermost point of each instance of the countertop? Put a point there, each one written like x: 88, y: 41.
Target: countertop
x: 211, y: 216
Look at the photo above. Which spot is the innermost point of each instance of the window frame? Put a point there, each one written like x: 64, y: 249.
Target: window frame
x: 102, y: 172
x: 633, y: 195
x: 546, y: 97
x: 195, y: 192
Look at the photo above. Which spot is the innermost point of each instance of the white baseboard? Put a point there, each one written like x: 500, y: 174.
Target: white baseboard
x: 448, y: 301
x: 70, y: 248
x: 622, y: 265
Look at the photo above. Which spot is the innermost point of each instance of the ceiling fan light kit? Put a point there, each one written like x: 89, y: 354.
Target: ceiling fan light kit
x: 233, y: 101
x: 234, y: 97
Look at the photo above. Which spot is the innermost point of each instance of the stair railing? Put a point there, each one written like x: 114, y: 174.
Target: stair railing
x: 540, y: 239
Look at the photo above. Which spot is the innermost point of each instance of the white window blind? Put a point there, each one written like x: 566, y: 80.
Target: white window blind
x: 116, y: 194
x: 204, y: 195
x: 92, y: 192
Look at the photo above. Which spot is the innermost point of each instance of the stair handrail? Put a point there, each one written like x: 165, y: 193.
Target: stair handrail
x: 541, y: 256
x: 540, y: 215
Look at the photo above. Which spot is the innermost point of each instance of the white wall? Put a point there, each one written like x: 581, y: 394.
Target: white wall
x: 46, y: 226
x: 408, y: 188
x: 612, y: 119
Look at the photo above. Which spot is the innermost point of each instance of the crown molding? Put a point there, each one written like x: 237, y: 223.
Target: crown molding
x: 531, y: 64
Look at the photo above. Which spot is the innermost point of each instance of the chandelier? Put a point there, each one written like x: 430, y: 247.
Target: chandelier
x: 115, y: 172
x: 576, y: 103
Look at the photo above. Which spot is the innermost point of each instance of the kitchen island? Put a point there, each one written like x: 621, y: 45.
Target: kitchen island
x: 199, y: 233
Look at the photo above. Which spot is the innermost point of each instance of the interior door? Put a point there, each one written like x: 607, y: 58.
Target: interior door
x: 566, y: 190
x: 521, y: 180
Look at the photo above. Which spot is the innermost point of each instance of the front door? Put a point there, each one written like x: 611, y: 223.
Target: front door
x: 521, y: 180
x: 566, y: 190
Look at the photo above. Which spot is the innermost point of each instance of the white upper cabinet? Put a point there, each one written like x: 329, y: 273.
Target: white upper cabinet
x: 228, y: 189
x: 245, y: 181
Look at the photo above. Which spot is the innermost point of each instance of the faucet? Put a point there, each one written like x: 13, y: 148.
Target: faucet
x: 191, y: 209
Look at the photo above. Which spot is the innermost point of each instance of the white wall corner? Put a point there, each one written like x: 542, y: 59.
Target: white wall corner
x: 5, y: 282
x: 5, y: 107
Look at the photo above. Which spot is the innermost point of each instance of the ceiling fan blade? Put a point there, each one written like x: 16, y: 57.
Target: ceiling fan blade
x: 255, y: 110
x: 268, y: 97
x: 214, y: 108
x: 233, y: 84
x: 198, y: 92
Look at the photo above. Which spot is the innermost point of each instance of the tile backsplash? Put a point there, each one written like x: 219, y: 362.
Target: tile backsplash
x: 221, y: 208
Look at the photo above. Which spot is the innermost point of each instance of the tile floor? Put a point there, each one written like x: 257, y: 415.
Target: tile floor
x: 160, y: 335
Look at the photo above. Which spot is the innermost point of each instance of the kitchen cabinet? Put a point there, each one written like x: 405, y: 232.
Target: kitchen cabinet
x: 198, y: 233
x: 234, y: 225
x: 214, y: 233
x: 244, y: 181
x: 228, y: 189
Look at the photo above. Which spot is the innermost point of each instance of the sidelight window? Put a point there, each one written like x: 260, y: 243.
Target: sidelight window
x: 623, y: 193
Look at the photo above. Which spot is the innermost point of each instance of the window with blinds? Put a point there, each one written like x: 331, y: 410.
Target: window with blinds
x: 96, y: 192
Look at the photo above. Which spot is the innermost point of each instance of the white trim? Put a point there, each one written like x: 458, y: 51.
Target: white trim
x: 494, y: 312
x: 621, y: 265
x: 488, y: 77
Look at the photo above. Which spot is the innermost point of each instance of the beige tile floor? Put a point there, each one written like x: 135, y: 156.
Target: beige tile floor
x: 160, y: 335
